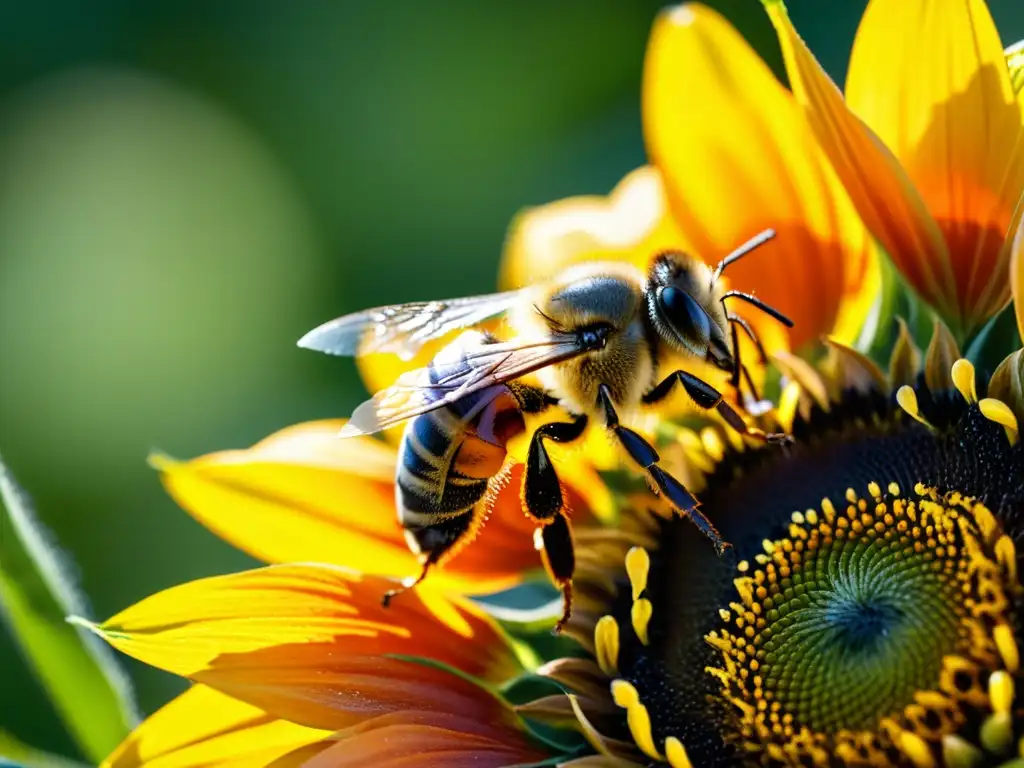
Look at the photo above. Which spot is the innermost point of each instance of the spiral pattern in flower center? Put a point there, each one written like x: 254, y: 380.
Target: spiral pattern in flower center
x: 842, y: 625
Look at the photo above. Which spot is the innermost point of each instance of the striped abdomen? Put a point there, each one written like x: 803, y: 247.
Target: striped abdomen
x: 447, y: 459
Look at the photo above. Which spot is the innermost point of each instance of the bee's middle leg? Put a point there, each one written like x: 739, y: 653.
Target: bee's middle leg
x: 707, y: 397
x: 542, y: 494
x: 644, y: 454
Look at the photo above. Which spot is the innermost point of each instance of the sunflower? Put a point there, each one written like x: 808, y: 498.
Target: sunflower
x: 868, y: 611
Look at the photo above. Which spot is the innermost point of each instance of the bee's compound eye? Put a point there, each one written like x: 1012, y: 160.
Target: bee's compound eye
x: 683, y: 313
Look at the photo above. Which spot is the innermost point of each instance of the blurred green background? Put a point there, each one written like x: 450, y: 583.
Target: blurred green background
x: 186, y: 187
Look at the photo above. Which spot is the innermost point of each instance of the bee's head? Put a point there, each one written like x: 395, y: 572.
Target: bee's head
x: 684, y: 310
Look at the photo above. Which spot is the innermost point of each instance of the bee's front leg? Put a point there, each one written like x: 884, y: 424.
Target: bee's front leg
x: 644, y: 454
x: 707, y: 397
x: 542, y: 495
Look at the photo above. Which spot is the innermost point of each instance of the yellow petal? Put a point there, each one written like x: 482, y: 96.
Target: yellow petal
x: 204, y: 727
x: 632, y: 224
x: 931, y: 80
x: 313, y: 644
x: 1017, y: 277
x: 303, y: 494
x: 737, y: 157
x: 884, y: 196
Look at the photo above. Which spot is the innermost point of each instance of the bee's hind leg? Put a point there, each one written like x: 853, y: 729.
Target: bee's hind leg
x: 558, y: 552
x: 644, y: 454
x: 408, y: 583
x: 436, y: 542
x: 542, y: 494
x: 707, y: 397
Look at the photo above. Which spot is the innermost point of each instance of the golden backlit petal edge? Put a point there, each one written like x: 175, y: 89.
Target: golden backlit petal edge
x: 312, y: 643
x: 203, y: 726
x: 883, y: 194
x: 933, y: 84
x: 746, y: 160
x: 631, y: 224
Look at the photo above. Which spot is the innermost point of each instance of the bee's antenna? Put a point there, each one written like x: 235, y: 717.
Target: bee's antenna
x: 768, y: 310
x: 757, y: 240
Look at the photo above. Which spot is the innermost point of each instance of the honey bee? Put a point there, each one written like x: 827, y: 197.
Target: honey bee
x: 593, y: 336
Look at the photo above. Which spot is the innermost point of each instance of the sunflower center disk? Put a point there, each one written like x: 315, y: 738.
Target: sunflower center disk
x: 838, y: 628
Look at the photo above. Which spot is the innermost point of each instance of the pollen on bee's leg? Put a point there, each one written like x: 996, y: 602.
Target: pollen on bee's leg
x: 625, y: 695
x: 1000, y: 413
x: 962, y: 374
x: 675, y: 752
x: 907, y: 399
x: 606, y: 644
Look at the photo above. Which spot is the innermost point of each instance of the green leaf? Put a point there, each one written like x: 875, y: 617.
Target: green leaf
x: 996, y: 339
x: 89, y: 691
x: 14, y: 753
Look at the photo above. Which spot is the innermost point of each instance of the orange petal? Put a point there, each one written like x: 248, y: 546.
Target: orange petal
x: 426, y: 739
x: 303, y: 494
x: 1017, y: 277
x: 737, y: 157
x: 931, y: 80
x: 879, y: 187
x: 205, y: 727
x: 313, y: 644
x: 632, y: 224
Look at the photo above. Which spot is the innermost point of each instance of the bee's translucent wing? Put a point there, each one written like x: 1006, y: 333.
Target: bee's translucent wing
x: 446, y: 382
x: 403, y: 328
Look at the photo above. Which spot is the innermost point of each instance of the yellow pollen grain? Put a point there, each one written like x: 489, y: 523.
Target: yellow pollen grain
x: 768, y: 545
x: 798, y: 518
x: 638, y: 565
x: 641, y: 617
x: 626, y: 696
x: 959, y: 753
x: 962, y: 373
x: 676, y: 753
x: 875, y: 490
x: 1000, y: 691
x: 907, y: 399
x: 812, y: 514
x: 1006, y: 554
x: 851, y: 495
x: 606, y: 641
x: 1000, y: 413
x: 894, y: 489
x: 916, y: 748
x: 1006, y: 644
x: 743, y: 566
x: 745, y: 587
